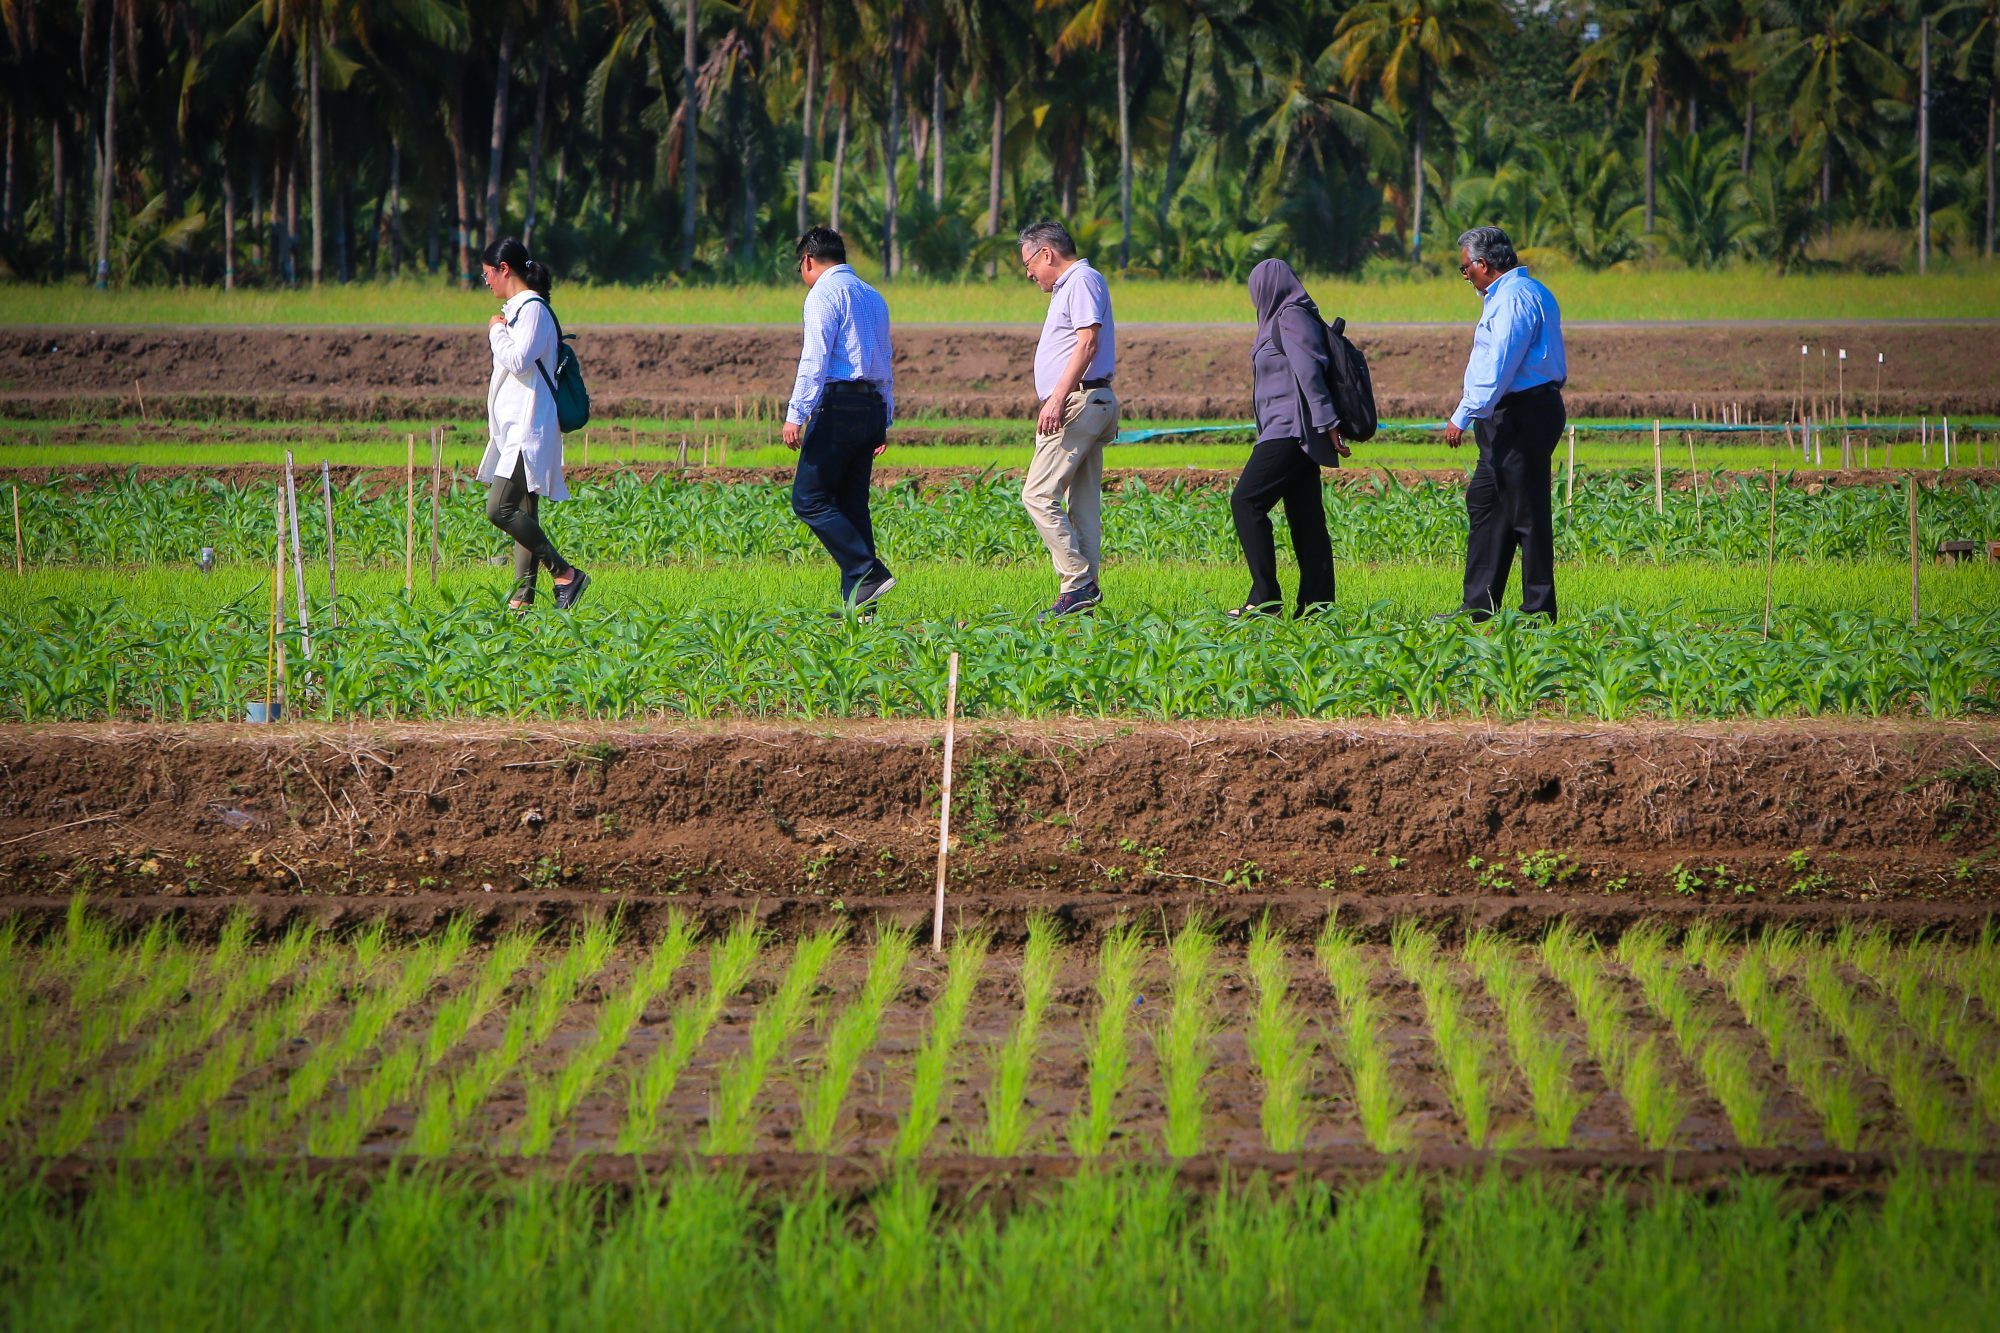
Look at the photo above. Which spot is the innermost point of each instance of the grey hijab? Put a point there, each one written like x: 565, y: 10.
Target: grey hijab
x: 1273, y: 286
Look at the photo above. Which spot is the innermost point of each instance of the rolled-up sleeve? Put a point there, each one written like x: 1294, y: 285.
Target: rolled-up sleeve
x: 1304, y: 339
x: 1503, y: 338
x: 813, y: 354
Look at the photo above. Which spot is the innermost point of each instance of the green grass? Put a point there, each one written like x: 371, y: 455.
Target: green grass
x: 1966, y: 290
x: 1010, y: 1122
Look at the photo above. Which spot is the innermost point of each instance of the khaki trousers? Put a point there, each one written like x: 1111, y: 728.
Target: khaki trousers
x: 1063, y: 492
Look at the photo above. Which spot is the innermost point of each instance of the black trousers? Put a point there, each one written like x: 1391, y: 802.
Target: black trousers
x: 830, y: 490
x: 1279, y: 470
x: 510, y: 507
x: 1508, y: 505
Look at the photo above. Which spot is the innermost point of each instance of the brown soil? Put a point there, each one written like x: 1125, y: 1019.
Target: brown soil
x: 1164, y: 371
x: 1894, y: 820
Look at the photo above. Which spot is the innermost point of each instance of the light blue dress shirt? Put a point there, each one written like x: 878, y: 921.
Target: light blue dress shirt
x: 1517, y: 345
x: 846, y: 338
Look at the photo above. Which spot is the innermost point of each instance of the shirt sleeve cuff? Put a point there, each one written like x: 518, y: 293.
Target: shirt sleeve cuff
x: 1462, y: 418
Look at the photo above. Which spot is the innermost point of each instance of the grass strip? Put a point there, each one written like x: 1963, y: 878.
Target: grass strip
x: 1462, y: 1049
x: 1642, y: 1071
x: 732, y: 1114
x: 1184, y: 1042
x: 1722, y: 1059
x: 1364, y: 1050
x: 550, y: 1101
x: 1109, y: 1059
x: 1010, y: 1123
x: 1278, y: 1041
x: 1543, y: 1055
x: 824, y: 1092
x: 731, y: 959
x: 932, y: 1062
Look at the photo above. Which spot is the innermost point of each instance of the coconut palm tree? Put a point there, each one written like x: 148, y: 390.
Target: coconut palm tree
x: 1651, y: 49
x: 1978, y: 61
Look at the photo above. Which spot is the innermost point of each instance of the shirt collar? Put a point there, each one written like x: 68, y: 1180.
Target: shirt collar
x: 1067, y: 274
x: 1487, y: 295
x: 516, y: 301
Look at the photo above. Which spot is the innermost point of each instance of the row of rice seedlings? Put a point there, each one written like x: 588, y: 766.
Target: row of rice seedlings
x: 1944, y: 1020
x: 1184, y: 1043
x: 397, y: 1077
x: 1279, y: 1042
x: 550, y: 1101
x: 1722, y: 1059
x: 1009, y: 1122
x: 450, y: 1103
x: 852, y: 1036
x: 932, y: 1061
x: 165, y: 1118
x: 1364, y: 1050
x: 732, y: 1114
x: 1810, y: 1064
x: 1871, y: 1035
x: 1543, y: 1055
x: 731, y: 960
x: 1641, y: 1070
x: 1109, y: 1058
x: 1462, y: 1048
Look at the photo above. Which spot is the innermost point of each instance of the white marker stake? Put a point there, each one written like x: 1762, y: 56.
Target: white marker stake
x: 298, y: 560
x: 1569, y: 472
x: 944, y: 800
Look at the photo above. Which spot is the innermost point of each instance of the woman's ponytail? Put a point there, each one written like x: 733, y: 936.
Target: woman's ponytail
x: 509, y: 251
x: 536, y: 274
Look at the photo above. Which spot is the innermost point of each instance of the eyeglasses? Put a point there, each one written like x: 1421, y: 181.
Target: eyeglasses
x: 1028, y: 260
x: 1465, y: 269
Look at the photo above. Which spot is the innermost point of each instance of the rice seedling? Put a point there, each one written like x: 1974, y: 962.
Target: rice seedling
x: 450, y: 1104
x: 1724, y: 1065
x: 1183, y: 1040
x: 550, y: 1101
x: 1009, y: 1122
x: 1109, y: 1057
x: 1872, y: 1037
x: 1364, y: 1050
x: 732, y: 1116
x: 400, y: 1073
x: 731, y: 959
x: 821, y: 1094
x: 1462, y: 1048
x: 1543, y: 1055
x: 1278, y: 1041
x: 1810, y: 1064
x: 932, y: 1061
x: 1642, y: 1071
x: 1945, y: 1021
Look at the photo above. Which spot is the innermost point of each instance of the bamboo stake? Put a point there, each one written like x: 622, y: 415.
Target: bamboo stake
x: 1659, y: 499
x: 437, y: 481
x: 410, y: 520
x: 1771, y: 551
x: 142, y: 399
x: 1915, y: 567
x: 944, y: 801
x: 298, y: 560
x: 277, y: 615
x: 1694, y: 480
x: 17, y: 528
x: 1569, y: 471
x: 332, y: 591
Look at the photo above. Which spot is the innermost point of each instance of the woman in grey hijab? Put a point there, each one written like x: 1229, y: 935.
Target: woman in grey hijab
x: 1297, y: 434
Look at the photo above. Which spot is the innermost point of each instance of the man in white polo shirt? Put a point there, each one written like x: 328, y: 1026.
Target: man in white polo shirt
x: 1079, y: 413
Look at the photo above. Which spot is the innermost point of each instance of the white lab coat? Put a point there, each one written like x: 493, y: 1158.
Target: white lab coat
x: 520, y: 406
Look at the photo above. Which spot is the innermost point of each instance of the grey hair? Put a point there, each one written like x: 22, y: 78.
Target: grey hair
x: 1490, y: 244
x: 1052, y: 234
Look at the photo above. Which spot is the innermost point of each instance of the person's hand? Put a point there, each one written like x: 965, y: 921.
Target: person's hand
x: 1339, y: 445
x: 880, y: 447
x: 1452, y: 434
x: 1050, y: 420
x: 795, y: 435
x: 497, y: 319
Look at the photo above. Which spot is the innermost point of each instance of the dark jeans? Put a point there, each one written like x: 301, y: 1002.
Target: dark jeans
x: 1508, y: 506
x: 830, y: 492
x: 1279, y: 470
x: 510, y: 507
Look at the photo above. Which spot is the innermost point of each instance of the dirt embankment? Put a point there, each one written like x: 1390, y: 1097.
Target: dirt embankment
x: 1163, y: 371
x: 1760, y: 822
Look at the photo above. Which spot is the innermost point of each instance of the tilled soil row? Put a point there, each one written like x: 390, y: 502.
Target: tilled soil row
x: 1088, y: 816
x: 1163, y: 371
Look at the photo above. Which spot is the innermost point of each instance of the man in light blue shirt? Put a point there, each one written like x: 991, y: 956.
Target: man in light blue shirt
x: 838, y: 418
x: 1513, y: 405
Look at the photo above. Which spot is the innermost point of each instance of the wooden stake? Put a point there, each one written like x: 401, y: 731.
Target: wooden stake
x: 17, y: 528
x: 1694, y: 480
x: 1659, y: 498
x: 1569, y: 471
x: 1771, y: 551
x: 142, y: 399
x: 586, y: 446
x: 332, y: 591
x: 298, y: 561
x: 944, y: 800
x: 410, y: 521
x: 277, y: 614
x: 1915, y: 567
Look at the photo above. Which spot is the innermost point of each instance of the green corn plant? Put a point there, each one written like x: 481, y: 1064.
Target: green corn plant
x: 550, y: 1101
x: 852, y: 1036
x: 1462, y: 1049
x: 932, y: 1061
x: 731, y: 960
x: 1364, y: 1050
x: 1542, y: 1055
x: 1278, y: 1042
x: 1183, y: 1041
x: 1109, y: 1054
x: 1009, y: 1123
x: 732, y: 1117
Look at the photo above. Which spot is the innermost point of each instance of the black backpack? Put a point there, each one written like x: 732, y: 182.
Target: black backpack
x: 1349, y: 385
x: 566, y: 385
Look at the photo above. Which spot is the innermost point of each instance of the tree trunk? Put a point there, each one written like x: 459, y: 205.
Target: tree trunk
x: 1174, y: 135
x: 1991, y: 199
x: 937, y: 128
x: 840, y: 156
x: 318, y: 182
x: 292, y: 220
x: 1417, y: 191
x: 228, y: 227
x: 59, y: 189
x: 345, y: 241
x: 1652, y: 151
x: 996, y: 144
x: 7, y: 188
x: 1924, y: 146
x: 1124, y: 140
x: 107, y: 152
x: 276, y: 272
x: 432, y: 243
x: 891, y: 131
x: 1826, y: 188
x: 392, y: 217
x: 1749, y: 129
x: 461, y: 188
x: 690, y: 118
x: 496, y: 149
x: 808, y: 146
x: 535, y: 148
x: 257, y: 219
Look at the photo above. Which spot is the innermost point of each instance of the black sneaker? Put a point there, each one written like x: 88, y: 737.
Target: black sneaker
x: 869, y: 590
x: 1080, y: 602
x: 568, y: 593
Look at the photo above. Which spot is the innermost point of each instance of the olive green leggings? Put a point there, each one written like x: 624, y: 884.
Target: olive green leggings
x: 510, y: 507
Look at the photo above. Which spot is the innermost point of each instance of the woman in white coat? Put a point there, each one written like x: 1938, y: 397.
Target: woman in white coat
x: 523, y: 462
